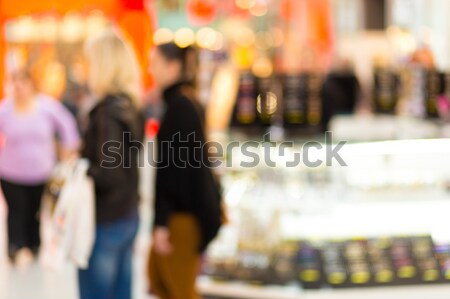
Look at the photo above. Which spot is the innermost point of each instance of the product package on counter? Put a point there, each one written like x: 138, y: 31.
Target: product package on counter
x: 347, y: 263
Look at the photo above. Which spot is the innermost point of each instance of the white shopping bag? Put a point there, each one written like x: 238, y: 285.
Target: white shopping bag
x: 68, y: 225
x: 84, y: 219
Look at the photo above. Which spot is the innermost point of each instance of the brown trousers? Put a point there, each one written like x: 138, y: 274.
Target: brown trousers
x: 174, y: 276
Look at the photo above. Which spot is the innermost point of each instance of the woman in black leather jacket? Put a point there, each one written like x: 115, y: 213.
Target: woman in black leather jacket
x: 112, y: 144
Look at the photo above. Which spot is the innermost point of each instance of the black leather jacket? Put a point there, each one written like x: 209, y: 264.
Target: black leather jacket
x: 112, y: 143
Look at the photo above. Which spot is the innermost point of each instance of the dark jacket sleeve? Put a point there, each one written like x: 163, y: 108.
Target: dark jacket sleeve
x: 183, y: 179
x: 164, y: 187
x: 179, y: 149
x: 205, y: 189
x: 165, y: 176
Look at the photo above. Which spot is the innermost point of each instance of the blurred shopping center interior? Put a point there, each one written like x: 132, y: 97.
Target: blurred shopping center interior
x: 376, y: 73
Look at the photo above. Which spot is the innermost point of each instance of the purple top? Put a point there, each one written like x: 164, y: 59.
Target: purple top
x: 27, y: 142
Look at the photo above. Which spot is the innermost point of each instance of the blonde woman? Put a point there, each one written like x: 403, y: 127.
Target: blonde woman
x: 110, y: 142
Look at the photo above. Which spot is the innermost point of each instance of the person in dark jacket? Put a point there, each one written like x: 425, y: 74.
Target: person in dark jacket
x: 340, y: 92
x: 112, y: 144
x: 187, y: 197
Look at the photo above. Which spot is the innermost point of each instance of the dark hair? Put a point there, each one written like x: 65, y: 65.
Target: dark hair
x: 187, y: 57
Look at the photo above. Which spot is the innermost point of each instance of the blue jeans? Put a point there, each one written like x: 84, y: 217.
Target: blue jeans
x: 109, y: 275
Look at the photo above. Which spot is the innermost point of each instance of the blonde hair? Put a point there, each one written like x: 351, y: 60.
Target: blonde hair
x: 113, y: 66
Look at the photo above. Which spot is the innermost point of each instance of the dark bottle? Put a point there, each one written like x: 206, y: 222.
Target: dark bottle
x: 244, y: 114
x: 335, y: 270
x: 310, y: 266
x: 314, y: 100
x: 295, y: 96
x: 386, y: 90
x: 357, y: 260
x: 434, y: 86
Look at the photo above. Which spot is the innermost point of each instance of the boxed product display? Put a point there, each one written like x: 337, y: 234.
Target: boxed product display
x: 356, y: 262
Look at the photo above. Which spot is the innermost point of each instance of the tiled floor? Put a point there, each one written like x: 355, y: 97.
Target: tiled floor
x: 39, y: 283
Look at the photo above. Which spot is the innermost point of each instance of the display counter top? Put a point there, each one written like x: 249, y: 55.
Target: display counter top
x: 385, y: 211
x: 233, y: 290
x: 384, y: 127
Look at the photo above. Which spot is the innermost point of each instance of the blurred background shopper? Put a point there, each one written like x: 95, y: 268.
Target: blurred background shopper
x: 30, y: 123
x: 187, y: 199
x: 115, y: 123
x: 340, y: 92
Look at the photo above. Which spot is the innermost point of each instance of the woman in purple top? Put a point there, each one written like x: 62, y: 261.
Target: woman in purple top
x: 30, y: 123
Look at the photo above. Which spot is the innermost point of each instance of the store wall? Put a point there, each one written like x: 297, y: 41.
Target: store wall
x: 428, y: 21
x: 347, y: 16
x: 2, y: 60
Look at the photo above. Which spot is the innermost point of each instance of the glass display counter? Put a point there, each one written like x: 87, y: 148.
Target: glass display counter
x: 357, y: 229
